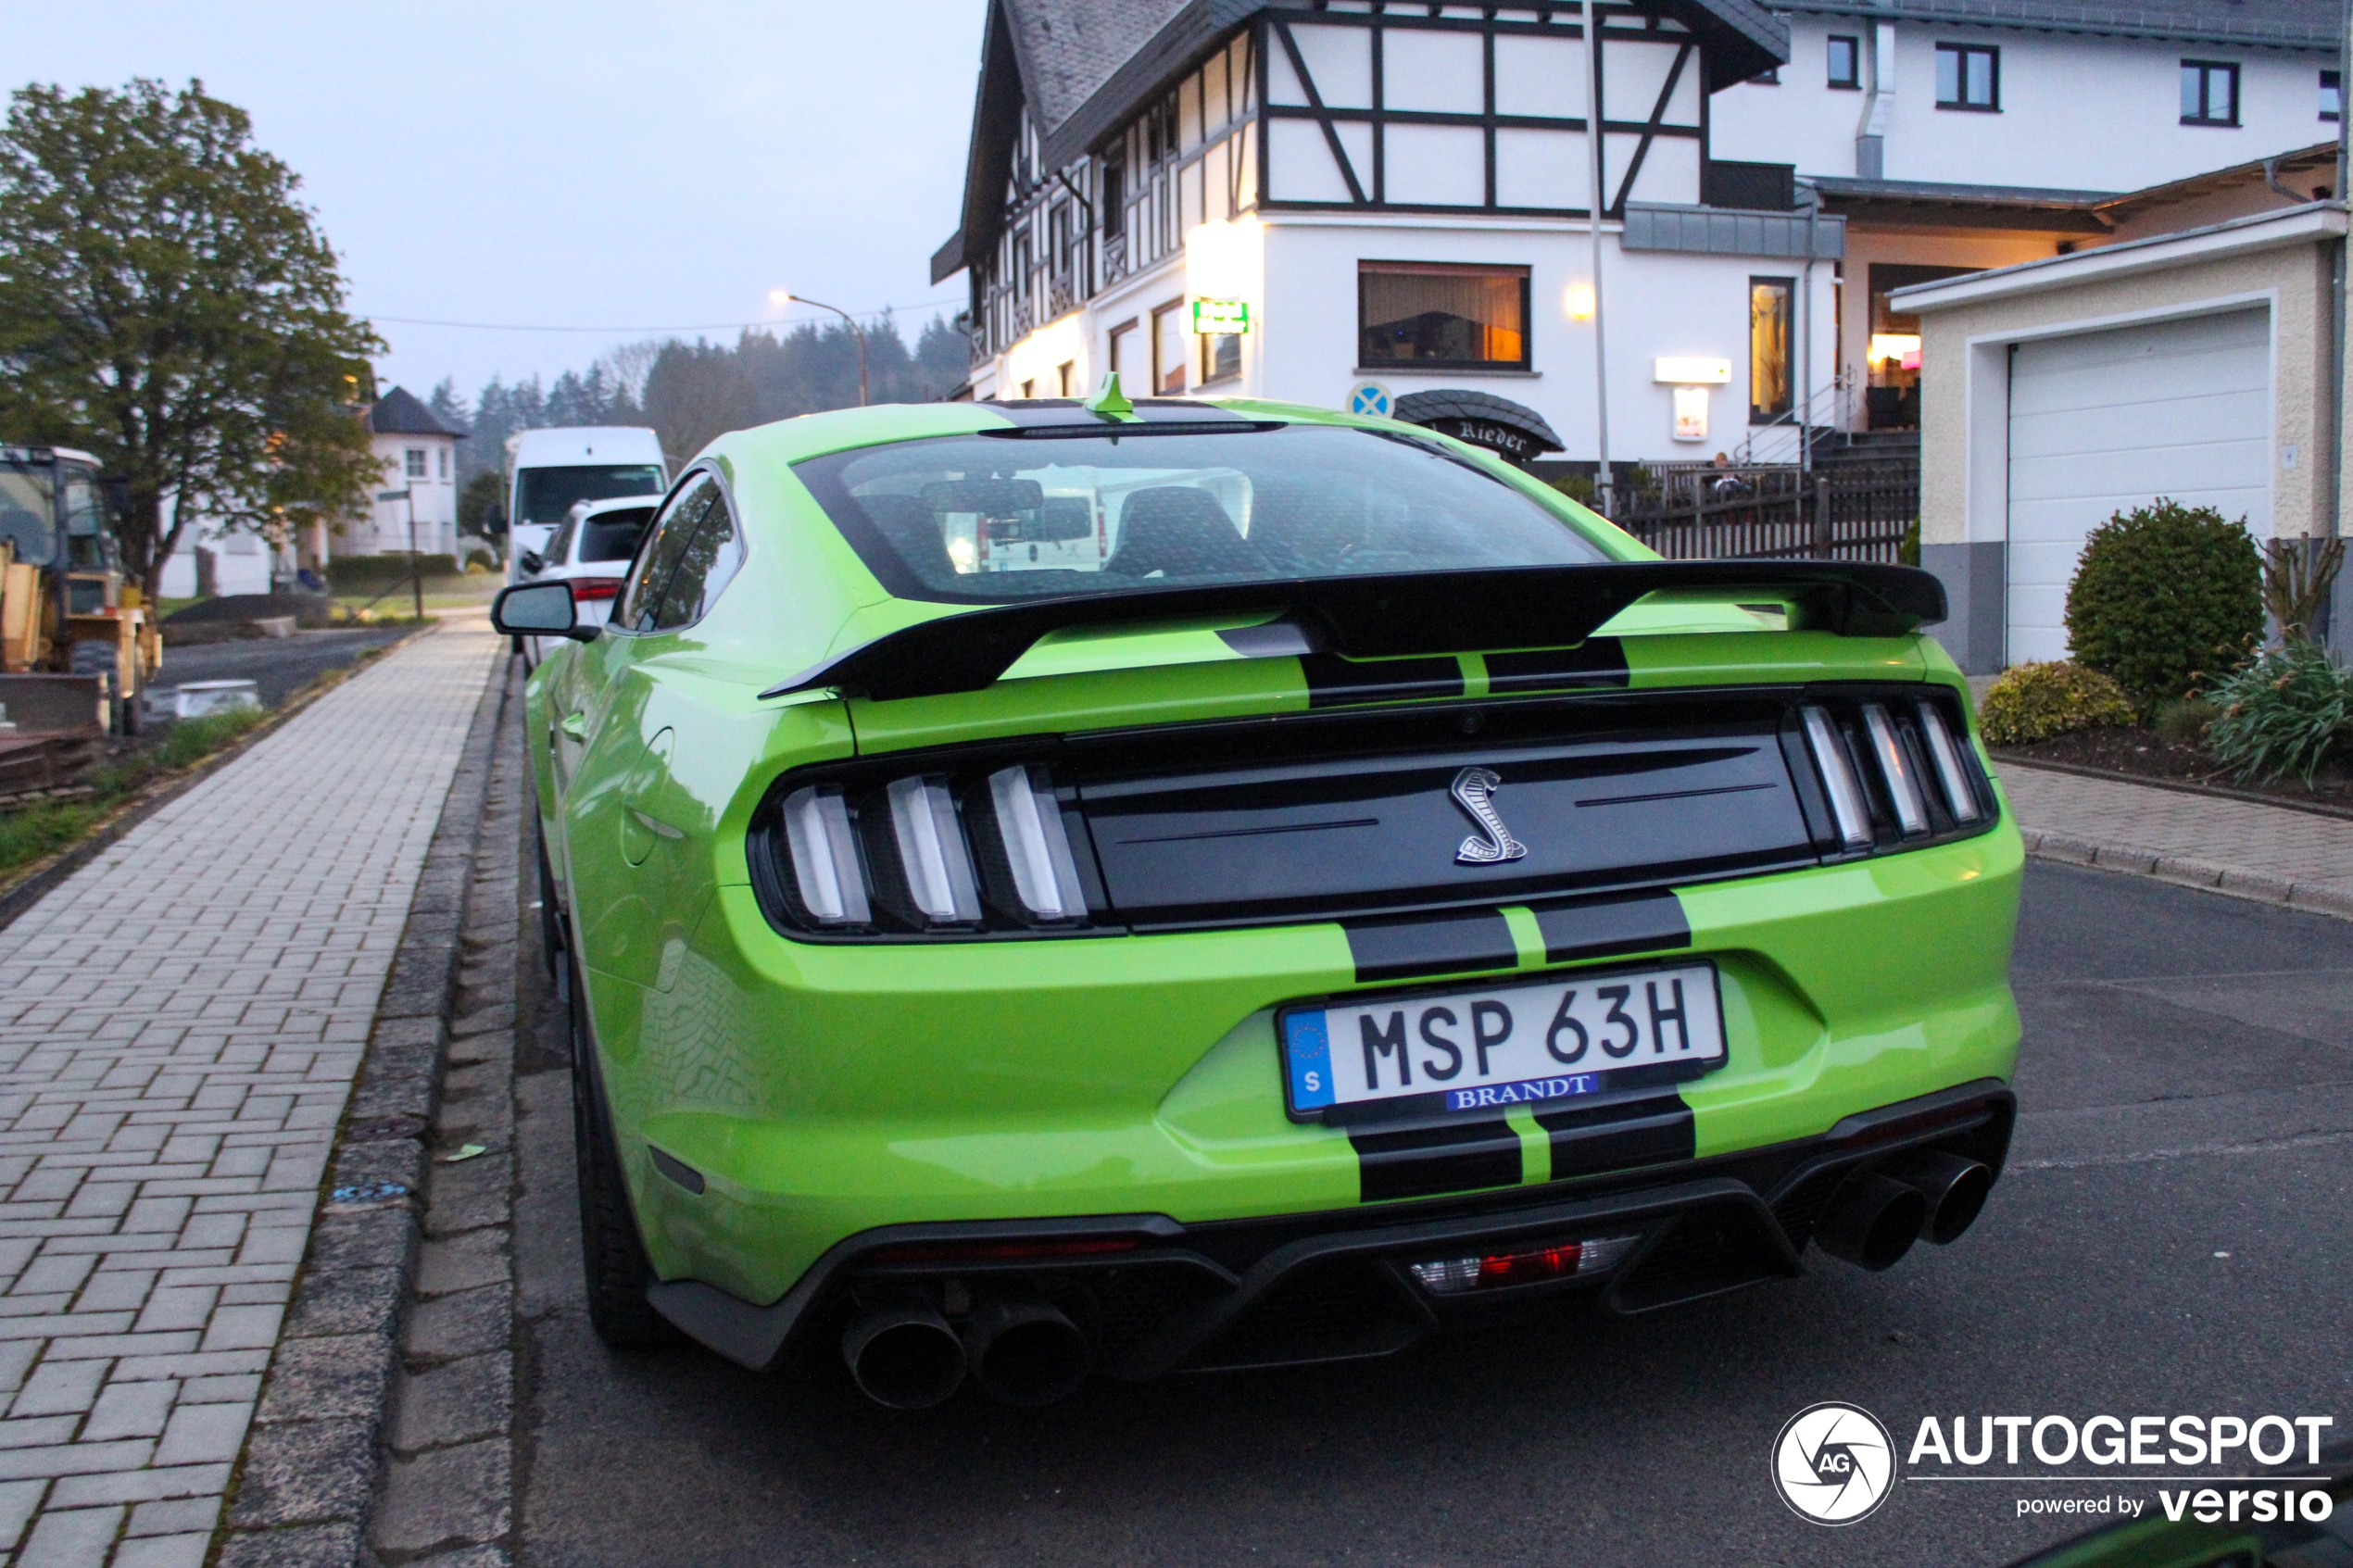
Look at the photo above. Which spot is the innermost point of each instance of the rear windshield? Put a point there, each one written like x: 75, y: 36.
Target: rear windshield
x: 984, y: 518
x: 543, y: 495
x: 612, y: 535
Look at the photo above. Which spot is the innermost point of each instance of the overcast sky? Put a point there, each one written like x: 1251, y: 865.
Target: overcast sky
x: 589, y: 164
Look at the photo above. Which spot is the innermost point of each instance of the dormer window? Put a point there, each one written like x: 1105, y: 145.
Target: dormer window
x: 2210, y: 93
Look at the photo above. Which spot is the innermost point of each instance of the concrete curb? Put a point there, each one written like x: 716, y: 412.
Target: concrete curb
x: 2308, y: 897
x: 306, y: 1487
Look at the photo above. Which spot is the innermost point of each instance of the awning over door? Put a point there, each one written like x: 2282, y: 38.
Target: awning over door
x: 1482, y: 419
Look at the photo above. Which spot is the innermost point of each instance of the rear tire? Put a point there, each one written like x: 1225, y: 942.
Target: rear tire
x: 613, y: 1252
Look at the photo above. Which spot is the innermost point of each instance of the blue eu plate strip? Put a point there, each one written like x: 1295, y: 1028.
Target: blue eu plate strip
x: 1308, y: 1047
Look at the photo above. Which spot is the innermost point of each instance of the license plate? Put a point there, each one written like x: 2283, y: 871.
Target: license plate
x: 1500, y: 1045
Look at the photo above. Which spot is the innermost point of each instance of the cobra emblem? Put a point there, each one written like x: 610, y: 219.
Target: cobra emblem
x: 1474, y: 790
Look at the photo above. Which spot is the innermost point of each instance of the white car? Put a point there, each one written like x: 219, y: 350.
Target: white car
x: 591, y: 550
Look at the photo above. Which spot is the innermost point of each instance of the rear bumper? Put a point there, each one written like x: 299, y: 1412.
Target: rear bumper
x: 1160, y: 1296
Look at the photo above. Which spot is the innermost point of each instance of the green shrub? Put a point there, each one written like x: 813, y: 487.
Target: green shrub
x: 2033, y: 702
x: 2163, y: 592
x: 1909, y: 551
x: 2282, y: 712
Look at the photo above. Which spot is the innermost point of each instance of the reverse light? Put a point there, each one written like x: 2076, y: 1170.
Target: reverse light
x: 1036, y: 847
x: 931, y: 851
x: 1958, y: 796
x: 825, y: 858
x: 1895, y: 767
x: 1838, y: 776
x: 1493, y: 1271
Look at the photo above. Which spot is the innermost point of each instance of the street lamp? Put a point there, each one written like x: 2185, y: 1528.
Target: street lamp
x: 785, y: 296
x: 416, y: 564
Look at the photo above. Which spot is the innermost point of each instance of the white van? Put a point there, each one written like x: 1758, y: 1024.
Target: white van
x: 550, y: 471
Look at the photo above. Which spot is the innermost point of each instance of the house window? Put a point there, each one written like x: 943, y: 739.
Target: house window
x: 1429, y: 313
x: 1066, y: 377
x: 1030, y: 389
x: 1121, y: 359
x: 1768, y: 357
x: 1846, y: 62
x: 1115, y: 198
x: 2331, y: 95
x: 1059, y: 226
x: 1969, y: 76
x: 1168, y: 350
x: 1021, y: 264
x: 445, y: 465
x: 2210, y: 93
x: 416, y: 456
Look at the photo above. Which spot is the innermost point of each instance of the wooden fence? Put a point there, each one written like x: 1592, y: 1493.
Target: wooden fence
x: 1846, y: 511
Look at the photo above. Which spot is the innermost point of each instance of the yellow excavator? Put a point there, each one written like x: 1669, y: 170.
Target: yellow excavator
x: 65, y: 609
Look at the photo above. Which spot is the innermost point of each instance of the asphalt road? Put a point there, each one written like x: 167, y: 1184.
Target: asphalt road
x: 275, y: 665
x: 2171, y: 1237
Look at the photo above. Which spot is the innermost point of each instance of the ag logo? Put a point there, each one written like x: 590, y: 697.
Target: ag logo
x: 1833, y: 1463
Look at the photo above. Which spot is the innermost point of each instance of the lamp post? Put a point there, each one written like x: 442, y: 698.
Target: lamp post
x: 785, y: 296
x: 415, y: 565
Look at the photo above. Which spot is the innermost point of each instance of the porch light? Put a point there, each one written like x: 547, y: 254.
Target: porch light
x: 1580, y: 302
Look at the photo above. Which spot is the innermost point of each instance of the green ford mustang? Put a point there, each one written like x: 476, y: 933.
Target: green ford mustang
x: 1052, y: 887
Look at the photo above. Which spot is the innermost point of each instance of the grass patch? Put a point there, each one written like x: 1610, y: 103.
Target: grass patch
x: 39, y: 831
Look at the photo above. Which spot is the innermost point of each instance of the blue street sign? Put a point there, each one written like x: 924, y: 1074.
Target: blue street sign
x: 1370, y: 397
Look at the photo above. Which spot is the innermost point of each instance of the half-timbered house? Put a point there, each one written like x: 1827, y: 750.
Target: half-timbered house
x: 1370, y: 200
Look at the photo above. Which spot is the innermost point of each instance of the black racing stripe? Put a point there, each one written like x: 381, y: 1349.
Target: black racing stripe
x: 1403, y: 947
x: 1598, y: 928
x: 1332, y: 680
x: 1454, y: 1157
x: 1649, y: 1131
x: 1597, y: 661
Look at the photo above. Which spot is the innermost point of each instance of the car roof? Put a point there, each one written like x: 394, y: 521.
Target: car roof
x: 619, y: 504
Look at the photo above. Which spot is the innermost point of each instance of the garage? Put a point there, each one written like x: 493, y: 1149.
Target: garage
x: 2105, y: 421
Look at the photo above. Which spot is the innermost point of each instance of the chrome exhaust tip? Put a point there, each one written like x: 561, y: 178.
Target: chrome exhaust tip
x: 1026, y: 1352
x: 1953, y: 1188
x: 1871, y: 1221
x: 903, y: 1357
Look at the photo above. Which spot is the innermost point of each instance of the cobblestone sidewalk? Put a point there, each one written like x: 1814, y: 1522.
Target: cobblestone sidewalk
x: 179, y: 1025
x: 2263, y: 852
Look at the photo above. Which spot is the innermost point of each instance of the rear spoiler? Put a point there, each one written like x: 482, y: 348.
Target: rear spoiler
x: 1390, y: 616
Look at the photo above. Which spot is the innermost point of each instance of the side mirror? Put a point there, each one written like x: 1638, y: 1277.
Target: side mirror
x: 531, y: 561
x: 538, y: 610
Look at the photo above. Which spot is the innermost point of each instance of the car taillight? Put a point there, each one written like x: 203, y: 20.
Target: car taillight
x: 1891, y: 770
x: 825, y: 858
x: 1831, y: 756
x: 1895, y: 769
x: 596, y: 587
x: 1960, y: 796
x: 1036, y: 847
x: 1533, y: 1265
x: 928, y: 852
x: 932, y: 858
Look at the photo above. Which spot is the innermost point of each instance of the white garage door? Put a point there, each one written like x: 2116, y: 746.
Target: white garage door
x: 2106, y: 421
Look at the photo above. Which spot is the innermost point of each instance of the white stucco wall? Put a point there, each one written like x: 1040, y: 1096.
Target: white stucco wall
x: 2077, y: 112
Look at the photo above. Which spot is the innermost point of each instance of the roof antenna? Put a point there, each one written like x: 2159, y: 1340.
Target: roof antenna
x: 1111, y: 402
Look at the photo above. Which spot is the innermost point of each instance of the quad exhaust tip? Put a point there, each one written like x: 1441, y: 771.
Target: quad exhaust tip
x: 1953, y: 1188
x: 1871, y: 1221
x: 1026, y: 1352
x: 1876, y: 1213
x: 904, y: 1358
